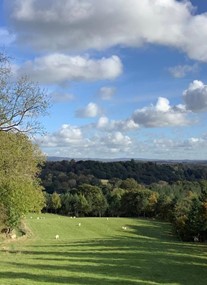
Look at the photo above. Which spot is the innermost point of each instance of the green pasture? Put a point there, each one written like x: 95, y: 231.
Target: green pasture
x: 100, y: 252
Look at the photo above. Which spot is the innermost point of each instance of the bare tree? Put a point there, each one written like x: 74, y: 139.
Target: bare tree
x: 22, y: 101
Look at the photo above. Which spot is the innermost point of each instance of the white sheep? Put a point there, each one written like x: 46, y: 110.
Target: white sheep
x: 13, y: 236
x: 124, y: 228
x: 79, y: 224
x: 195, y: 239
x: 57, y: 237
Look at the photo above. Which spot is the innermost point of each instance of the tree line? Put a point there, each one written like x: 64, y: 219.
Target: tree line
x: 79, y: 193
x: 63, y: 175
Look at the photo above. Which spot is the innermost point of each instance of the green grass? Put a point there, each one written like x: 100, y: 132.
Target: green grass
x: 100, y: 252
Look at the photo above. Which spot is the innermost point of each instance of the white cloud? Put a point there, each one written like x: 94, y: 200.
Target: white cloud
x: 160, y: 115
x: 196, y: 141
x: 116, y: 139
x: 109, y: 145
x: 90, y: 111
x: 195, y: 96
x: 67, y: 135
x: 60, y: 68
x: 70, y: 141
x: 111, y: 125
x: 180, y: 71
x: 73, y: 141
x: 103, y: 122
x: 106, y: 93
x: 194, y: 43
x: 163, y: 104
x: 186, y: 144
x: 65, y: 25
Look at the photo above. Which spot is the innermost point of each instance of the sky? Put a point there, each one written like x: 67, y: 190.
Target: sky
x: 126, y: 79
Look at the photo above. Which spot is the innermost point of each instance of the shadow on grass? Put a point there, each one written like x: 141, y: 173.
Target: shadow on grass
x: 144, y: 255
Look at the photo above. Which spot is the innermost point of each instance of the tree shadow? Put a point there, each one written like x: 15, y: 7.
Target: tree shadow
x: 148, y: 255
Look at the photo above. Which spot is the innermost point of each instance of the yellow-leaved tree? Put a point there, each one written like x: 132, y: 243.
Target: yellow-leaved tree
x: 21, y: 102
x: 20, y: 188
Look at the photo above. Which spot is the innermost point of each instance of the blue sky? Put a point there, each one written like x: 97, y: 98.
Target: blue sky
x: 126, y: 79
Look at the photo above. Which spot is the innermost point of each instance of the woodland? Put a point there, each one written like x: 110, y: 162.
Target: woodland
x: 169, y: 192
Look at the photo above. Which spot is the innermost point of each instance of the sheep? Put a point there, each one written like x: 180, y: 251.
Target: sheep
x: 195, y: 239
x: 13, y: 236
x: 79, y: 224
x: 124, y: 228
x: 57, y: 237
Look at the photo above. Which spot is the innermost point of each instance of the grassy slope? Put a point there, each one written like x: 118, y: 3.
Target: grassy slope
x: 100, y: 252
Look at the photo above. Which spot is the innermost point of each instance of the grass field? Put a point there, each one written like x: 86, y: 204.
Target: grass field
x: 100, y: 252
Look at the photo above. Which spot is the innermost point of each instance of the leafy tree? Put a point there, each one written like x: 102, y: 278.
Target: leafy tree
x: 95, y: 198
x: 67, y: 203
x: 20, y: 189
x: 203, y: 232
x: 128, y: 204
x: 83, y: 207
x: 55, y: 201
x: 165, y: 207
x: 139, y: 202
x: 129, y: 184
x: 194, y: 222
x: 152, y: 203
x: 181, y: 212
x: 115, y: 202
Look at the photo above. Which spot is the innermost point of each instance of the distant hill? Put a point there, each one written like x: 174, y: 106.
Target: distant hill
x: 59, y: 158
x: 161, y: 161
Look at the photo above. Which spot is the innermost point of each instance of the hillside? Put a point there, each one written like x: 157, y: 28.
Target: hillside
x: 101, y: 252
x: 143, y: 172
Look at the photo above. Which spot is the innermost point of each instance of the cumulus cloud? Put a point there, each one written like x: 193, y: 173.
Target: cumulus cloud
x: 110, y: 144
x: 196, y: 142
x: 116, y: 139
x: 102, y: 122
x: 52, y: 25
x: 70, y: 141
x: 181, y: 71
x: 90, y: 111
x: 192, y: 143
x: 111, y: 125
x: 66, y: 136
x: 195, y: 96
x: 106, y: 93
x: 60, y: 68
x: 160, y: 115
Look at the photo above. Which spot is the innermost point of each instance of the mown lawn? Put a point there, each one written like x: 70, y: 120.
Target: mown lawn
x: 100, y: 252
